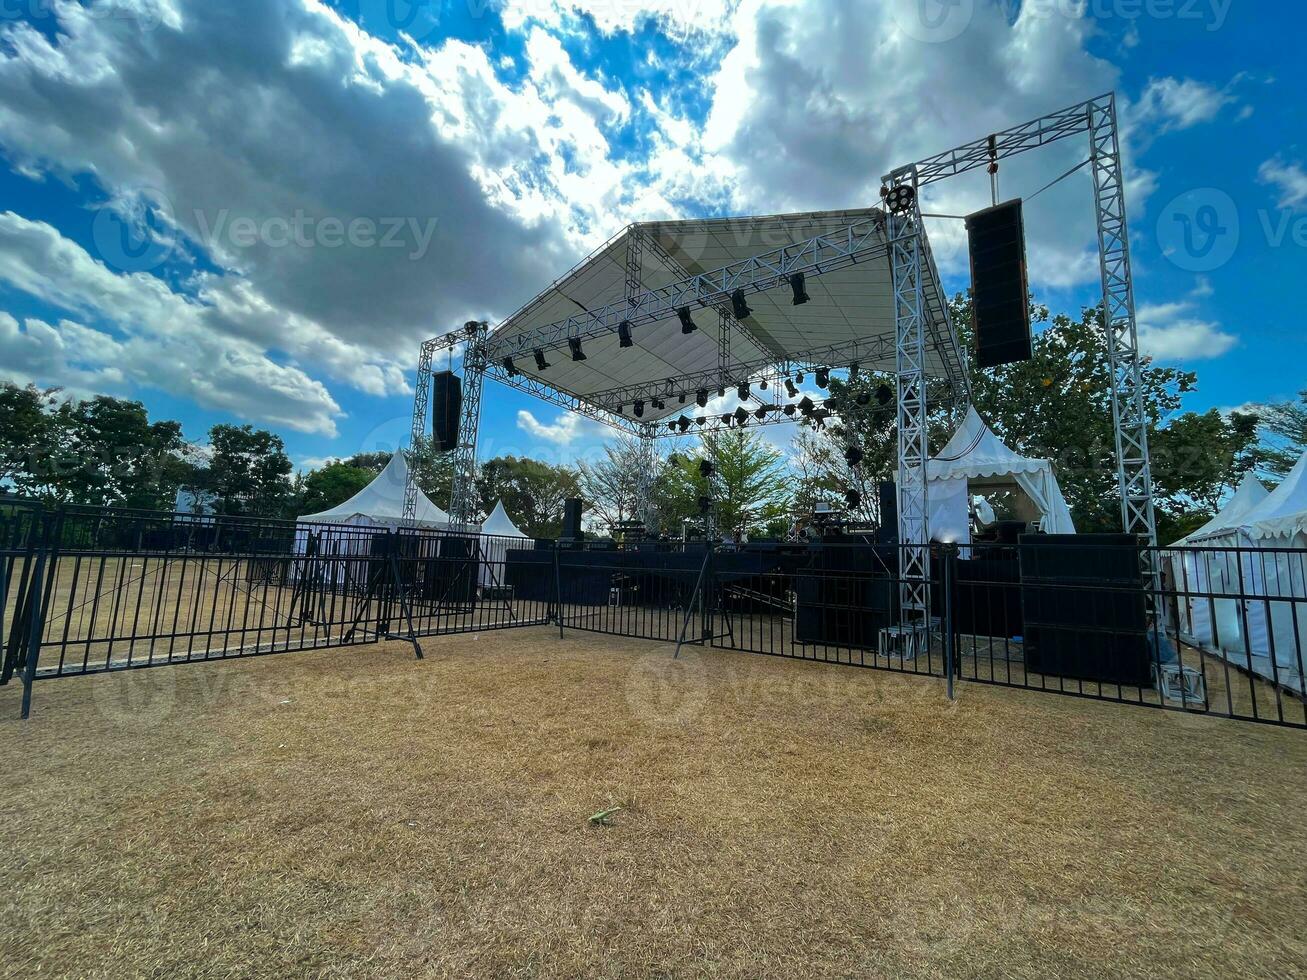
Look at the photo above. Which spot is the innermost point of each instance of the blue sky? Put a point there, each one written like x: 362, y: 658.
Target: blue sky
x: 255, y: 210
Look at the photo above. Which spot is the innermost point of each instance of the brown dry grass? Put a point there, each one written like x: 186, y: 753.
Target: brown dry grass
x: 355, y: 813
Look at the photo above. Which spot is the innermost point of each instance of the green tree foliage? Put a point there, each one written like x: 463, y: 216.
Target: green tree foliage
x: 433, y: 471
x: 751, y: 485
x: 1285, y: 430
x: 248, y: 471
x: 102, y: 451
x: 532, y: 492
x: 1057, y: 405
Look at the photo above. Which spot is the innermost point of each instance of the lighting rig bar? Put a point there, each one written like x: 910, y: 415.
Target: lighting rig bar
x: 825, y: 253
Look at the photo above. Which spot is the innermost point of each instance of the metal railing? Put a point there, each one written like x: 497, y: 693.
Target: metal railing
x: 1222, y: 630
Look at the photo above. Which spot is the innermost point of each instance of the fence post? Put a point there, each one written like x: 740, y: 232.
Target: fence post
x: 558, y: 590
x: 47, y: 550
x: 946, y: 583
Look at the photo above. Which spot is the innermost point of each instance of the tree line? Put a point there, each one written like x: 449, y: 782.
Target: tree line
x: 1057, y: 405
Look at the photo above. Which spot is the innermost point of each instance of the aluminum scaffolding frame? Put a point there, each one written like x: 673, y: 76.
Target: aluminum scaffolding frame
x: 921, y: 322
x: 1097, y: 119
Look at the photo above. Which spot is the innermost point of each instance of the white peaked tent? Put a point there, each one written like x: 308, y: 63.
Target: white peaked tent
x: 1210, y: 572
x: 381, y: 503
x: 975, y: 459
x: 498, y: 529
x: 1270, y: 571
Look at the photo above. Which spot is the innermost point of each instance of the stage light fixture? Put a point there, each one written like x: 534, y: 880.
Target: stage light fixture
x: 790, y: 390
x: 853, y: 371
x: 705, y: 468
x: 864, y: 398
x: 687, y: 325
x: 883, y: 394
x: 796, y: 286
x: 682, y: 423
x: 788, y: 410
x: 509, y: 367
x: 701, y: 397
x: 741, y: 416
x: 671, y: 425
x: 806, y: 405
x: 658, y: 403
x: 681, y: 398
x: 541, y: 363
x: 823, y: 377
x: 700, y: 420
x: 762, y: 383
x: 899, y: 198
x: 726, y: 418
x: 798, y: 377
x: 624, y: 334
x: 638, y: 408
x: 721, y: 391
x: 743, y: 392
x: 738, y: 305
x: 852, y: 455
x: 761, y: 413
x: 852, y: 498
x: 574, y: 345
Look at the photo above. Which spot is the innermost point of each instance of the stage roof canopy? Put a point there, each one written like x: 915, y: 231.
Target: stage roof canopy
x: 850, y: 316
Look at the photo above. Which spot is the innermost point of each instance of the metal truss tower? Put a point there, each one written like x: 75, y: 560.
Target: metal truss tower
x: 913, y: 446
x: 1096, y: 118
x: 418, y: 429
x: 462, y: 497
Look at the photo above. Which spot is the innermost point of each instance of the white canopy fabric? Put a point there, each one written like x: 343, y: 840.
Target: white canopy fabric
x: 1272, y: 576
x: 381, y: 503
x: 1210, y: 571
x: 499, y: 528
x: 976, y: 458
x: 1283, y: 514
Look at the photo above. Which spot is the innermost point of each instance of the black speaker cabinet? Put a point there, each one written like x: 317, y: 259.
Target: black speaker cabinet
x: 1085, y: 609
x: 1000, y: 303
x: 446, y: 409
x: 887, y: 492
x: 572, y: 519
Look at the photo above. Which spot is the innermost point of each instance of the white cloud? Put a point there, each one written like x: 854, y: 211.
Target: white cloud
x: 565, y: 429
x: 1171, y: 331
x: 1179, y: 103
x: 1289, y: 179
x: 163, y: 341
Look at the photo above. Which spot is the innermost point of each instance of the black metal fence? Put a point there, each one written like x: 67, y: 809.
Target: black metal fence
x: 1218, y: 631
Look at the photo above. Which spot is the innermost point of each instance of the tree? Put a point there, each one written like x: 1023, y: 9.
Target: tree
x: 28, y: 438
x: 1057, y: 405
x: 749, y: 486
x: 433, y: 471
x: 1196, y: 459
x: 1285, y: 435
x: 248, y: 472
x: 333, y: 484
x: 122, y: 458
x: 610, y: 486
x: 531, y: 491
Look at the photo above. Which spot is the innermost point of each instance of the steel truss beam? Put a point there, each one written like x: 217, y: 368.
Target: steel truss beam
x: 462, y: 496
x: 913, y: 448
x: 417, y: 431
x: 857, y: 242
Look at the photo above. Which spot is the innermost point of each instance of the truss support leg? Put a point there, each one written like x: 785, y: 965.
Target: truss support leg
x: 462, y: 498
x: 1129, y: 418
x: 644, y: 482
x: 417, y: 432
x: 913, y: 450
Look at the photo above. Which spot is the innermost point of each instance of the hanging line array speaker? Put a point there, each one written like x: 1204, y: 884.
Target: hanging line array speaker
x: 1000, y: 304
x: 446, y: 409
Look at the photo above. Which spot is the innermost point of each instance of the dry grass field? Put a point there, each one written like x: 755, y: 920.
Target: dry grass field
x: 353, y: 812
